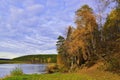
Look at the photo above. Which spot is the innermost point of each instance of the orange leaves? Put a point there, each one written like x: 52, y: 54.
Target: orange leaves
x: 79, y: 42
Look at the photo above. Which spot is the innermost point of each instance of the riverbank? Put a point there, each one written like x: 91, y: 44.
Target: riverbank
x: 91, y: 73
x: 10, y: 62
x: 98, y: 75
x: 55, y: 76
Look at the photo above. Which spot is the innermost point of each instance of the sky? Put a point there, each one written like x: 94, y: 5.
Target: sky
x: 32, y: 26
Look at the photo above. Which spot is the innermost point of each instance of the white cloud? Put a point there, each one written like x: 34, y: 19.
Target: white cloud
x: 27, y: 27
x: 8, y: 55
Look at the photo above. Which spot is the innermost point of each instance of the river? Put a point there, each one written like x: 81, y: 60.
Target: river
x: 5, y: 69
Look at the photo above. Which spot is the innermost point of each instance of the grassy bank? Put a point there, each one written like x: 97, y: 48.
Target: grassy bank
x: 97, y: 75
x: 56, y: 76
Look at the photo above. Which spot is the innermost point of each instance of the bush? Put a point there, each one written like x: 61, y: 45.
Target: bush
x: 63, y: 69
x: 16, y: 72
x: 51, y: 68
x: 113, y: 65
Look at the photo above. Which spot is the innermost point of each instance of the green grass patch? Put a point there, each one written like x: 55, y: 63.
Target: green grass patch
x: 56, y: 76
x: 16, y: 72
x: 97, y: 75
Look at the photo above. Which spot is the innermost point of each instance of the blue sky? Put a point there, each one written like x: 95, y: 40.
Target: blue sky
x: 32, y: 26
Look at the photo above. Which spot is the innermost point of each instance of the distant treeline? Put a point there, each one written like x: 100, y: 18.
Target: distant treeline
x: 4, y: 59
x: 43, y: 58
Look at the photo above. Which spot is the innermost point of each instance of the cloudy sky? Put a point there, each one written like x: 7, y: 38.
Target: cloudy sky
x: 32, y: 26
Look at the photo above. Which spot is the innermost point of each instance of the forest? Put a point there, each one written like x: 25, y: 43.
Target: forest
x: 37, y: 59
x: 31, y: 59
x: 94, y: 39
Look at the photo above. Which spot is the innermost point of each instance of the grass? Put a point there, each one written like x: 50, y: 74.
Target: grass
x: 68, y: 76
x: 16, y: 72
x: 85, y: 74
x: 101, y: 75
x: 56, y: 76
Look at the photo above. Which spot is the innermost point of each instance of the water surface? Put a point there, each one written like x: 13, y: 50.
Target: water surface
x: 27, y: 68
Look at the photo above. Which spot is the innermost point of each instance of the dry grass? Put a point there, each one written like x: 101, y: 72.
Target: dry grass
x: 99, y: 74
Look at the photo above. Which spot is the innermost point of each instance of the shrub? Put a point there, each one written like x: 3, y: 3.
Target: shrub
x: 113, y: 65
x: 51, y: 68
x: 16, y: 72
x: 63, y: 69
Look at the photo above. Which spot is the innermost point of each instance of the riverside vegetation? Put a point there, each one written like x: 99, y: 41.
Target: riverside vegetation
x: 94, y: 75
x: 90, y: 50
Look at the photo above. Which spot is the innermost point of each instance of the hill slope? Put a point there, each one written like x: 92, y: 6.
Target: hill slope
x: 40, y: 58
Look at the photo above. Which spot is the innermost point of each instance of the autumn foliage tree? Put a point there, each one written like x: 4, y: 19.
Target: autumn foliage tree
x: 80, y: 42
x: 83, y: 45
x: 111, y: 31
x: 88, y: 29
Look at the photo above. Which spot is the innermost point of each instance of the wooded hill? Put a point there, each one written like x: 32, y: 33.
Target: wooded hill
x: 40, y: 58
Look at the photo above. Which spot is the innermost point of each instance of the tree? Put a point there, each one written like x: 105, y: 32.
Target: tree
x: 61, y: 58
x: 87, y: 31
x: 60, y: 43
x: 85, y: 44
x: 80, y: 44
x: 60, y: 50
x: 111, y: 28
x: 102, y: 8
x: 111, y: 36
x: 48, y: 60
